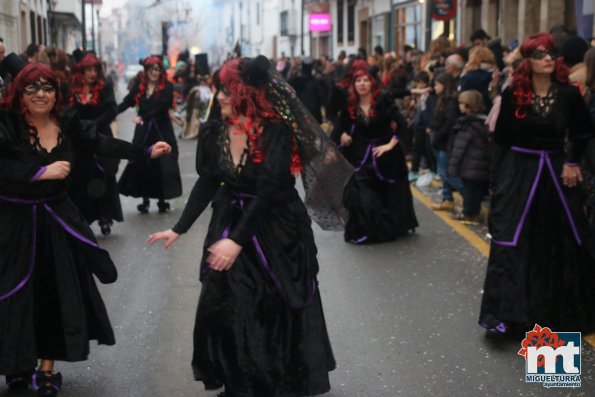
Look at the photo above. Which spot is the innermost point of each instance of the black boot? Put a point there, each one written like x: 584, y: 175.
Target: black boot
x: 47, y: 383
x: 106, y: 227
x: 143, y: 208
x: 20, y: 382
x: 163, y: 206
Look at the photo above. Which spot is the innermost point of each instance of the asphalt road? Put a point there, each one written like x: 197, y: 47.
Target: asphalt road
x: 402, y: 316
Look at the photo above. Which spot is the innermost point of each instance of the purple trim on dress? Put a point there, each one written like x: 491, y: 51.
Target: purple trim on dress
x: 239, y: 199
x: 150, y: 150
x: 14, y: 200
x: 544, y: 158
x: 365, y: 159
x: 32, y: 254
x: 153, y: 123
x: 377, y: 171
x: 98, y: 164
x: 70, y: 230
x: 360, y: 240
x: 564, y: 202
x: 571, y: 164
x: 38, y: 174
x: 371, y: 146
x: 34, y: 382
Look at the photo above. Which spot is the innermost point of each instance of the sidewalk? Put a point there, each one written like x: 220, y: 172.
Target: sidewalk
x: 432, y: 192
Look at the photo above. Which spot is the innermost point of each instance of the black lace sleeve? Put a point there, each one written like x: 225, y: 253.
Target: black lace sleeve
x: 502, y: 135
x: 16, y: 163
x: 108, y: 105
x: 580, y: 128
x: 272, y: 180
x: 129, y: 100
x: 208, y: 182
x: 86, y: 138
x: 504, y: 124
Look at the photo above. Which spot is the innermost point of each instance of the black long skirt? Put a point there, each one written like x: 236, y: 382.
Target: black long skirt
x: 59, y: 310
x: 548, y: 277
x: 379, y: 210
x: 257, y: 335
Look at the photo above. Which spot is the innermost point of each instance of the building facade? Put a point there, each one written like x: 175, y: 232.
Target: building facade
x: 516, y: 19
x: 65, y: 24
x: 23, y: 22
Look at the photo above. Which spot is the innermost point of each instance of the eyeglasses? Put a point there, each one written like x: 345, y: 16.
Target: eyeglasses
x: 154, y: 69
x: 32, y: 89
x: 222, y: 89
x: 541, y: 54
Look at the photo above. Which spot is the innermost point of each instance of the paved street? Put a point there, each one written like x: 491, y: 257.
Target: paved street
x: 402, y: 316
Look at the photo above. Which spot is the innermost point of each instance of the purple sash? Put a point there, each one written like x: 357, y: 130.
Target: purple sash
x: 238, y: 199
x: 544, y: 159
x: 34, y: 203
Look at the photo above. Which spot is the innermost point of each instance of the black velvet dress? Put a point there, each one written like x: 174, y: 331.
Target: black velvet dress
x: 160, y: 179
x: 93, y: 187
x: 540, y: 269
x: 377, y: 196
x: 260, y: 329
x: 50, y: 307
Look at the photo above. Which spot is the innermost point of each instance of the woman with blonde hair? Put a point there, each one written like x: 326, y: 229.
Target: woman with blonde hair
x: 479, y: 72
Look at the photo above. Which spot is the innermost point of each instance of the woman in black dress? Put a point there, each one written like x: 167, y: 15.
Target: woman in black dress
x: 50, y: 307
x: 153, y: 96
x: 93, y: 189
x: 378, y: 196
x: 540, y: 269
x: 260, y: 329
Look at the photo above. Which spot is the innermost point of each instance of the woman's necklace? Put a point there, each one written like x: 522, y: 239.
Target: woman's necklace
x: 543, y: 104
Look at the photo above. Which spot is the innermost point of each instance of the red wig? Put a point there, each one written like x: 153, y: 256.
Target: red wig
x: 356, y: 66
x: 143, y: 80
x: 252, y: 102
x: 353, y: 99
x: 522, y: 77
x: 30, y: 74
x: 77, y: 83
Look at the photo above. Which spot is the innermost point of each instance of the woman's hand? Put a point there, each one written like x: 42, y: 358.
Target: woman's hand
x: 223, y: 254
x: 138, y: 120
x: 160, y: 149
x: 380, y: 150
x: 56, y: 170
x: 168, y: 235
x: 571, y: 175
x: 346, y: 139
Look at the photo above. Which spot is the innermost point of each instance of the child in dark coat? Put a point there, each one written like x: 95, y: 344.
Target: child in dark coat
x: 469, y: 157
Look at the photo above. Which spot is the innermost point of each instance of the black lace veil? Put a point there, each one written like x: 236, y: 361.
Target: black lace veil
x: 325, y: 171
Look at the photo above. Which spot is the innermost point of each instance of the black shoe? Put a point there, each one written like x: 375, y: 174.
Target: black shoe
x: 500, y: 331
x: 19, y: 382
x: 47, y: 383
x: 163, y: 207
x: 143, y: 208
x: 106, y: 229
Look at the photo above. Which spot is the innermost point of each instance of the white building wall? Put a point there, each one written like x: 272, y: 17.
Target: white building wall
x: 9, y: 25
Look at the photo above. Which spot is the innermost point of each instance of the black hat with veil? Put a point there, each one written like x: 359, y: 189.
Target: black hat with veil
x: 325, y: 170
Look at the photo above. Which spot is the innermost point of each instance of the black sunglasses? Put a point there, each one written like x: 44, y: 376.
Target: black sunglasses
x: 541, y: 54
